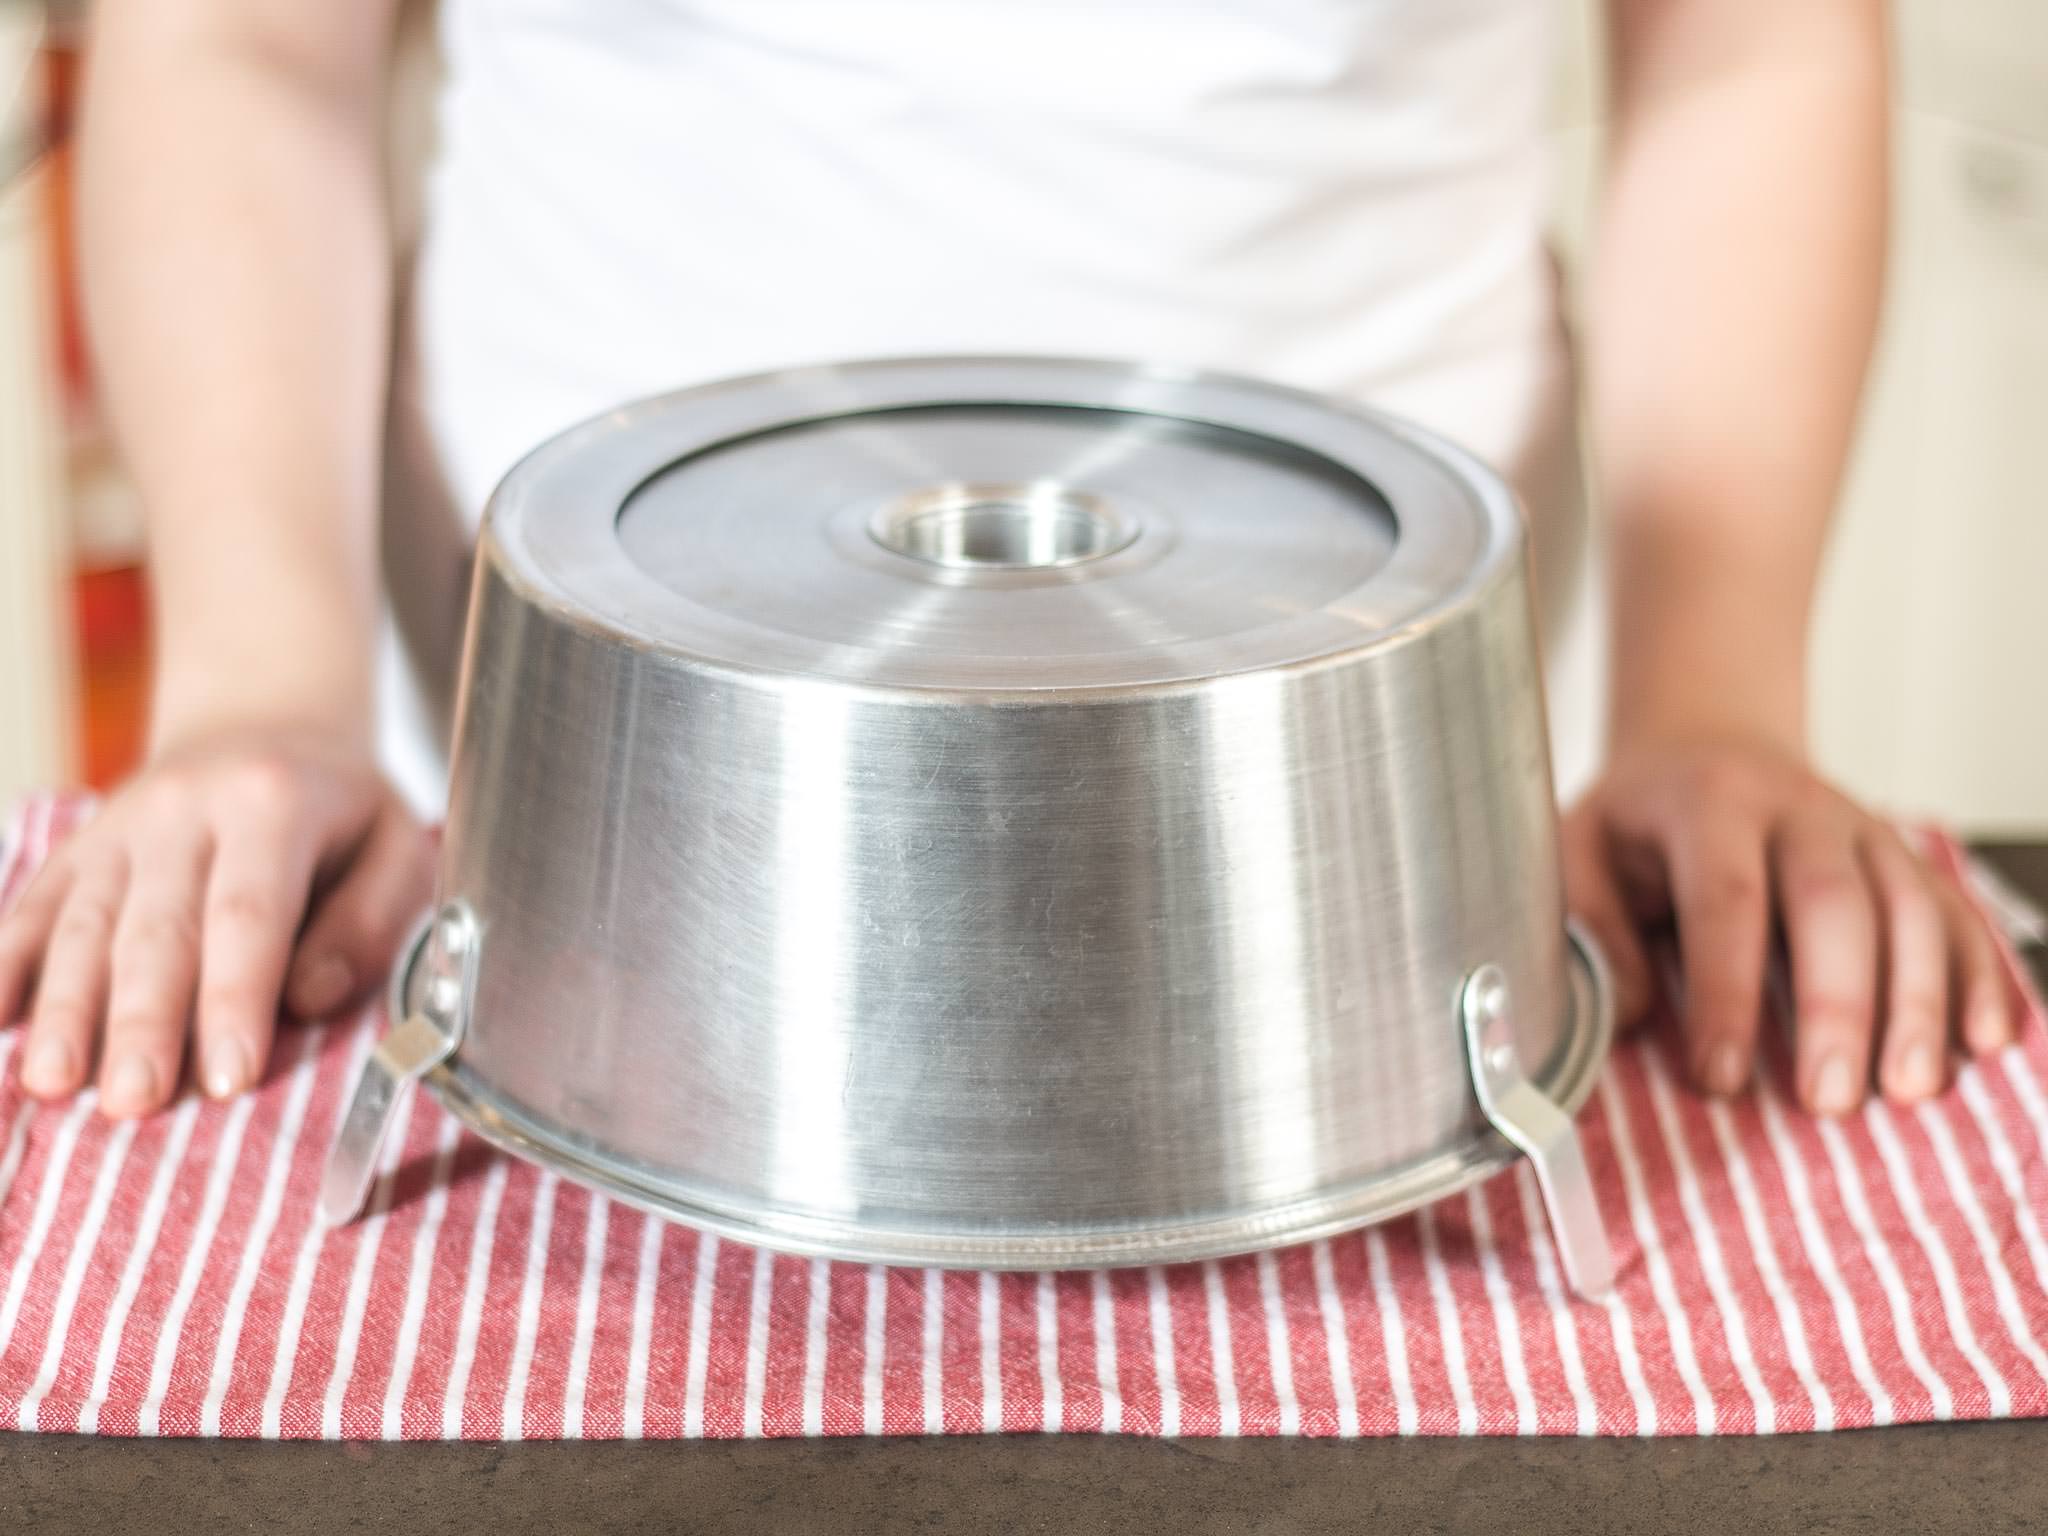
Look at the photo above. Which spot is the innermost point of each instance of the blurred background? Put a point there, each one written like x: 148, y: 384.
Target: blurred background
x: 1930, y: 659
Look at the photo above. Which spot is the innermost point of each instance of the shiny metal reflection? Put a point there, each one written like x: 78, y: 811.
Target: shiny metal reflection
x: 1009, y: 891
x: 1005, y: 527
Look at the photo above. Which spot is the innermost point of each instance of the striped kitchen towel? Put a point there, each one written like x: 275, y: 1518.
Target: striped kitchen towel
x: 169, y: 1278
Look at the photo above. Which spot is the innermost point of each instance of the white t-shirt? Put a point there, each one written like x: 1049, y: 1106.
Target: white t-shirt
x: 633, y: 195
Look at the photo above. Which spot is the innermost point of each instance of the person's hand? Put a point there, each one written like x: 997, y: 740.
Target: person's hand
x: 237, y: 871
x: 1735, y: 843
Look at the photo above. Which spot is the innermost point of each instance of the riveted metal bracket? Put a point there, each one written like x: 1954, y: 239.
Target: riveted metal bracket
x: 1539, y: 1129
x: 431, y: 997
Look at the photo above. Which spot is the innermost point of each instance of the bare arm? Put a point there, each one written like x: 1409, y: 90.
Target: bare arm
x: 237, y: 284
x: 1739, y: 269
x: 1737, y: 284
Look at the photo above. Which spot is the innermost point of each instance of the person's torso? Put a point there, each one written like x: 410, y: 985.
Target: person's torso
x: 630, y: 196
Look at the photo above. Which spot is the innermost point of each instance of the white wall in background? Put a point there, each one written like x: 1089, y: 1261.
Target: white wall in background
x: 1930, y: 659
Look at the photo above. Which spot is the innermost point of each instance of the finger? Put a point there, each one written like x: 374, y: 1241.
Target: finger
x: 155, y: 966
x: 356, y: 928
x: 1913, y: 1056
x: 1720, y: 890
x: 71, y: 990
x: 24, y: 933
x: 1831, y: 928
x: 1595, y: 899
x: 1983, y: 1001
x: 255, y: 896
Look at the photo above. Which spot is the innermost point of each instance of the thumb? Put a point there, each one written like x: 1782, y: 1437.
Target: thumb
x: 356, y: 928
x: 1593, y: 896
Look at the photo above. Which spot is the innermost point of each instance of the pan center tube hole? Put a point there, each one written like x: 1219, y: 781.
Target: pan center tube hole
x: 1021, y: 525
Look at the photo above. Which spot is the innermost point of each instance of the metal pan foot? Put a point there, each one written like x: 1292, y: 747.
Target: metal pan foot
x: 1539, y: 1129
x: 425, y: 1036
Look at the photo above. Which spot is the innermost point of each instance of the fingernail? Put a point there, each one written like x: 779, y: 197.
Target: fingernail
x: 227, y: 1068
x: 1727, y: 1068
x: 1920, y: 1069
x: 133, y: 1084
x: 48, y: 1067
x: 1834, y: 1086
x: 324, y: 984
x: 1987, y: 1029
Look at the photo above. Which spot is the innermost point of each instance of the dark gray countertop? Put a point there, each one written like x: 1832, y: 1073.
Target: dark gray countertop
x: 1977, y: 1479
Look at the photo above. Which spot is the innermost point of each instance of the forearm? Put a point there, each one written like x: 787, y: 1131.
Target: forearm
x: 1736, y: 288
x: 236, y: 276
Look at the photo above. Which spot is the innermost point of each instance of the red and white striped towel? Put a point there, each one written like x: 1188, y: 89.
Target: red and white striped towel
x: 168, y: 1278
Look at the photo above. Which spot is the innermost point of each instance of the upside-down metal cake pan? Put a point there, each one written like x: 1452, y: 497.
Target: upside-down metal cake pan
x: 1003, y: 812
